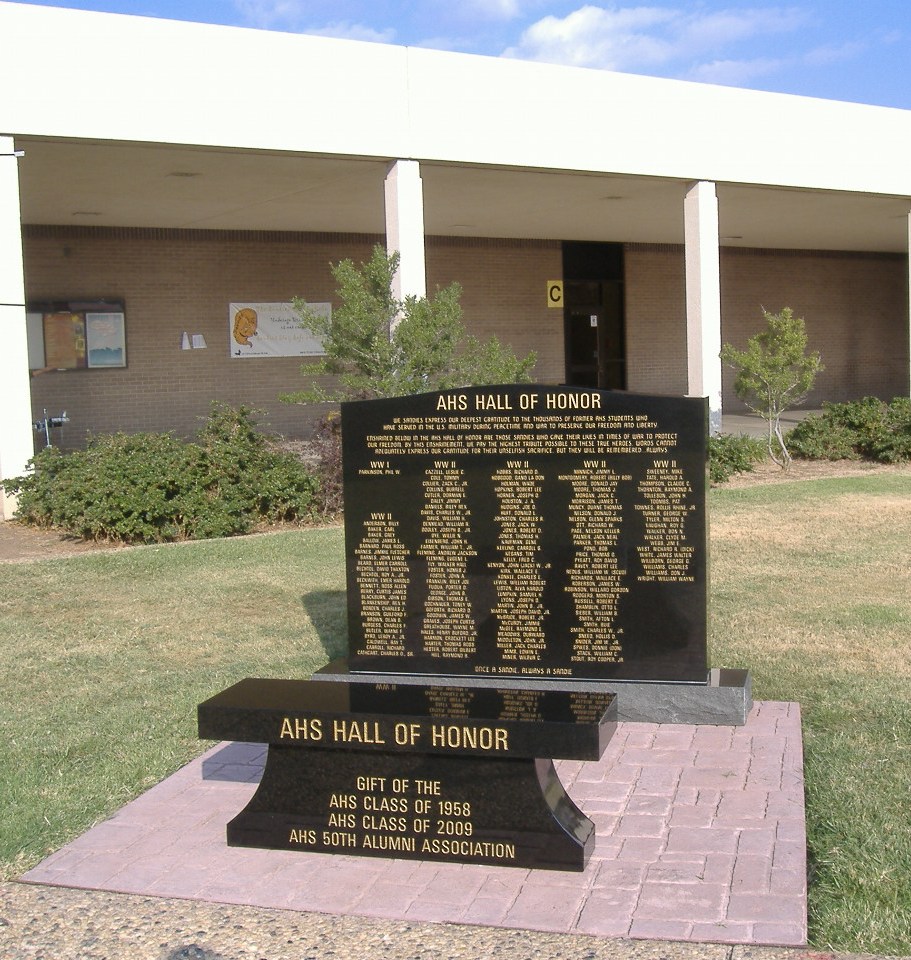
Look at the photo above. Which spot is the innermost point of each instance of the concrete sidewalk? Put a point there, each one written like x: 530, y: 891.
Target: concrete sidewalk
x: 701, y: 837
x: 58, y: 923
x: 752, y: 425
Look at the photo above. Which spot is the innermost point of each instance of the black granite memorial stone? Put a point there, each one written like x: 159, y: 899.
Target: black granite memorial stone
x: 453, y: 721
x: 429, y: 773
x: 514, y: 556
x: 537, y: 532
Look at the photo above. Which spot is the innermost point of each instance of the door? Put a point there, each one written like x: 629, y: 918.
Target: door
x: 593, y: 314
x: 594, y: 343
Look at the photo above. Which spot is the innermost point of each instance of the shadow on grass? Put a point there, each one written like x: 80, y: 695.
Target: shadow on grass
x: 327, y: 610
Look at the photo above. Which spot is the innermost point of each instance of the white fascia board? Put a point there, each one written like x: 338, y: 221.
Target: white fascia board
x: 86, y: 75
x: 496, y: 111
x: 112, y: 77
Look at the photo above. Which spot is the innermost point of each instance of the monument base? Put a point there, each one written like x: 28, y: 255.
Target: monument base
x: 506, y: 813
x: 725, y: 699
x: 421, y: 772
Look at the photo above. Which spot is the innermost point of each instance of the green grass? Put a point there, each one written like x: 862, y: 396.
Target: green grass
x: 811, y: 589
x: 105, y: 656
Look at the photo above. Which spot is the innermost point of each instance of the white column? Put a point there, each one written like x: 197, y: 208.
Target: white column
x: 405, y: 227
x: 703, y: 298
x: 16, y: 446
x: 909, y: 304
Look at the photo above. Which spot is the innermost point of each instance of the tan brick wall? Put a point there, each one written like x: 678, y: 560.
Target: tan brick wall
x: 504, y: 294
x: 655, y: 303
x: 173, y: 281
x: 855, y: 306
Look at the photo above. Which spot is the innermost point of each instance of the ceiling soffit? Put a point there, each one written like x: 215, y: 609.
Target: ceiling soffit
x: 74, y: 183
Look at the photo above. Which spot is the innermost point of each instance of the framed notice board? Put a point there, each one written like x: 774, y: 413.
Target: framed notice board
x: 77, y: 335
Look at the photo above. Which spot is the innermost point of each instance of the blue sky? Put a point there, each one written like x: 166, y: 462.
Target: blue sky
x: 857, y: 50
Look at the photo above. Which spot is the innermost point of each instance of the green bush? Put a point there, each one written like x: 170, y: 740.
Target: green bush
x: 729, y: 454
x: 151, y: 488
x: 867, y: 429
x: 245, y: 471
x: 774, y: 373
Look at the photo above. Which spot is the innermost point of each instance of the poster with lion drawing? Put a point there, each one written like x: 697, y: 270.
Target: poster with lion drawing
x: 272, y: 330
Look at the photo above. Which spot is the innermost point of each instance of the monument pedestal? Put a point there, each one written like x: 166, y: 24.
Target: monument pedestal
x: 521, y: 562
x: 725, y: 699
x: 377, y: 770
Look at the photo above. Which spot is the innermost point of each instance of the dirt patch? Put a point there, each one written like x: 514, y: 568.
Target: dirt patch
x: 19, y: 543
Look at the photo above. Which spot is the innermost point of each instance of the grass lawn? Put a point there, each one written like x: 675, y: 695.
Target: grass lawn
x: 811, y: 589
x: 104, y: 657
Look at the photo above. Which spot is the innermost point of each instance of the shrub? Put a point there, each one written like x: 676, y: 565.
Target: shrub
x: 867, y: 429
x: 379, y: 346
x: 151, y: 488
x: 121, y: 488
x: 243, y: 468
x: 893, y: 444
x: 823, y: 438
x: 729, y: 454
x: 775, y: 372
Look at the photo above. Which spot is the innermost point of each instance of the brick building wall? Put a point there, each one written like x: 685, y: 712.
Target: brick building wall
x: 655, y: 306
x: 504, y: 284
x: 855, y: 306
x: 173, y: 281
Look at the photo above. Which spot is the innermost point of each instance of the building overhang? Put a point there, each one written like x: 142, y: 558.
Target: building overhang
x: 91, y: 183
x: 208, y: 127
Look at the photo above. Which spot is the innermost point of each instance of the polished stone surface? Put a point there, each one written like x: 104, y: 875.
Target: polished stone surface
x: 408, y: 718
x: 726, y: 698
x: 500, y: 812
x: 530, y: 531
x: 426, y: 773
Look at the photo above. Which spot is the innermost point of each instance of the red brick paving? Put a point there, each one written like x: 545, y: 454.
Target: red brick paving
x: 701, y: 836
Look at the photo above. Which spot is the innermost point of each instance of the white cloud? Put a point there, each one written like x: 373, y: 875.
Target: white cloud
x: 303, y: 15
x: 343, y: 30
x: 734, y: 73
x: 825, y: 55
x: 700, y: 33
x: 269, y: 13
x: 596, y: 37
x: 492, y: 9
x: 631, y: 38
x: 741, y: 72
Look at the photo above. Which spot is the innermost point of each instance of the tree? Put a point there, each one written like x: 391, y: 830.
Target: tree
x: 774, y: 373
x: 378, y: 346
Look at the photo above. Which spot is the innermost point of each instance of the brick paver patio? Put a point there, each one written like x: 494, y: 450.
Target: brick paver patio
x: 701, y: 836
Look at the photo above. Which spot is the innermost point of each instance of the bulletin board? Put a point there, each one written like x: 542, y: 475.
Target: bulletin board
x: 77, y: 335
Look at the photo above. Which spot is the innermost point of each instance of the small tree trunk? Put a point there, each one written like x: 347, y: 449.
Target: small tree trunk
x: 778, y: 450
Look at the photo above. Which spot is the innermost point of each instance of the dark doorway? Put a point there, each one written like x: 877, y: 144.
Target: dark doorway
x: 595, y: 347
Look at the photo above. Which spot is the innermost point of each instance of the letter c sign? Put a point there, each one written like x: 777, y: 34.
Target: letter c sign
x: 555, y: 293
